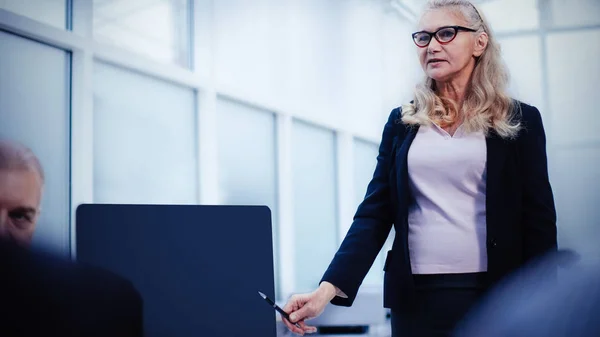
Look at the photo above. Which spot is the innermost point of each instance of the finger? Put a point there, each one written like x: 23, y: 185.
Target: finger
x: 292, y: 327
x: 301, y: 314
x: 294, y: 303
x: 288, y: 307
x: 307, y: 328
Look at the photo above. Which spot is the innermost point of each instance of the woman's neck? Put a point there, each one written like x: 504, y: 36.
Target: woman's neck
x: 454, y: 90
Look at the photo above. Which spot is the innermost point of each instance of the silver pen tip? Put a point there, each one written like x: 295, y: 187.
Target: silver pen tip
x: 262, y: 295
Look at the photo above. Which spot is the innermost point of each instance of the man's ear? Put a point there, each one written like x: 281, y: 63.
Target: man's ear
x: 480, y: 44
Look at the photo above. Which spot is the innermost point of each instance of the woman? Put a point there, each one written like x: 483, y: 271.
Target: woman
x: 461, y: 174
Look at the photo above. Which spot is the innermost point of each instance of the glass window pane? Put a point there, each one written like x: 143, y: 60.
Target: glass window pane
x: 144, y: 139
x: 574, y: 12
x: 573, y: 83
x: 315, y: 199
x: 292, y: 50
x: 247, y: 28
x: 574, y: 176
x: 157, y: 29
x: 52, y: 12
x: 525, y: 72
x: 247, y: 160
x: 365, y: 160
x: 511, y: 15
x: 503, y: 15
x: 34, y: 110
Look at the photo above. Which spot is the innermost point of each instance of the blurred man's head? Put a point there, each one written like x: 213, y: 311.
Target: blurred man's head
x: 21, y: 183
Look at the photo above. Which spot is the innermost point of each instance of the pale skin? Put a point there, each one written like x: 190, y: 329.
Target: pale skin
x: 452, y: 74
x: 20, y: 197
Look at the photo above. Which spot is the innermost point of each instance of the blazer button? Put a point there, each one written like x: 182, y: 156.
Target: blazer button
x: 492, y: 243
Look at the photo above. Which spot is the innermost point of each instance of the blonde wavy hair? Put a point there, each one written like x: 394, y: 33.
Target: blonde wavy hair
x: 487, y: 104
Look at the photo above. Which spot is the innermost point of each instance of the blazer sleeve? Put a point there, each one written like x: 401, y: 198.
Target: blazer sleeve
x: 539, y: 213
x: 370, y: 227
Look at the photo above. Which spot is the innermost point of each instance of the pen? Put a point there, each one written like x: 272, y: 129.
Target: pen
x: 283, y: 313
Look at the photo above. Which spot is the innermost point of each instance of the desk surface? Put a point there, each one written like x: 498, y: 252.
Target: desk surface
x: 382, y: 330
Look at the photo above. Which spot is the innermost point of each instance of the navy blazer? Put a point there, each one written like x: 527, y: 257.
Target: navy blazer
x: 520, y: 212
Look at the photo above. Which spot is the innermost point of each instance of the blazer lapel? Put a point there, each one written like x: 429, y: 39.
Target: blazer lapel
x: 497, y: 150
x: 402, y: 168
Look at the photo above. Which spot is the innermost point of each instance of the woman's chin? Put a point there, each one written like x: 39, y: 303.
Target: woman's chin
x: 438, y: 75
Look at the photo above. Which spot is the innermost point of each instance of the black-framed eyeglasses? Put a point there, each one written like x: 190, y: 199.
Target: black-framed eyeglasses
x: 443, y: 35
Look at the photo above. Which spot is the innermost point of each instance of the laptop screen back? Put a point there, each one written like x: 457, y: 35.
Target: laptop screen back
x: 198, y: 268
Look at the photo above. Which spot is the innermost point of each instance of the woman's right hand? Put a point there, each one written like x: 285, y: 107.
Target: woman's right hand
x: 306, y: 306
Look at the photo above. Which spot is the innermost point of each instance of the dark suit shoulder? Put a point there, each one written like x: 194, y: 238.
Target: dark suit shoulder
x: 530, y: 119
x: 396, y: 115
x: 529, y: 112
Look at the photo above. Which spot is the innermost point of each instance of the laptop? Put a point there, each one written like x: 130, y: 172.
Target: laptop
x: 198, y: 268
